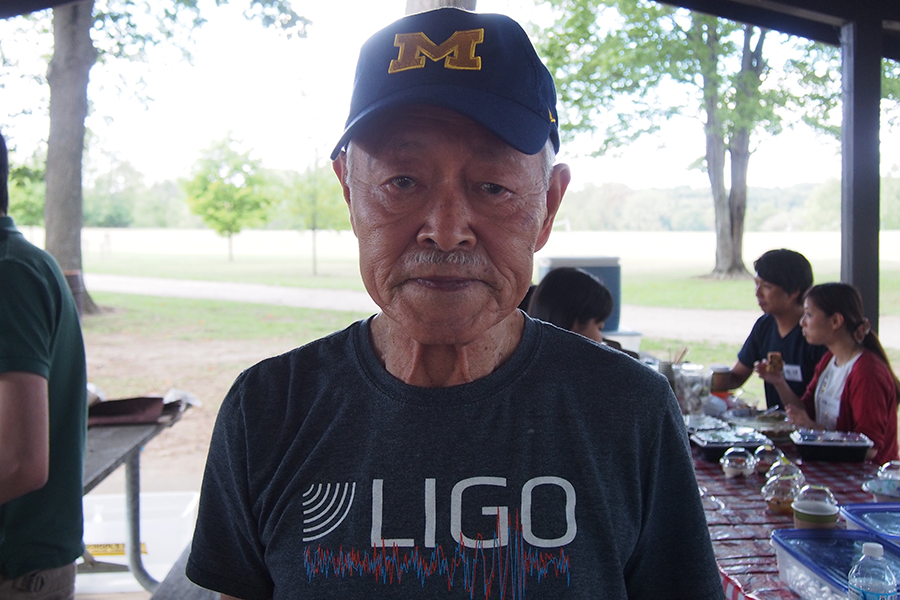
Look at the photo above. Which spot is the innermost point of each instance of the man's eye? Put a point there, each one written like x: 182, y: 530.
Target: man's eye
x: 493, y: 188
x: 403, y: 183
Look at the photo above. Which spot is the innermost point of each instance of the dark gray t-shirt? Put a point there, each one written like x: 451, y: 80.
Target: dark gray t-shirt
x: 566, y: 473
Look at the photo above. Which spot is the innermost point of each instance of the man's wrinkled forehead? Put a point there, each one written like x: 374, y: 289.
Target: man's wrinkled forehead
x: 410, y: 130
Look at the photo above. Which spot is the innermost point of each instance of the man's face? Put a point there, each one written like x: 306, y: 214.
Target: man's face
x: 773, y: 299
x: 448, y: 218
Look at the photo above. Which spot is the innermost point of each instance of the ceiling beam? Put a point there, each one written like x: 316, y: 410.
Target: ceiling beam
x: 817, y: 20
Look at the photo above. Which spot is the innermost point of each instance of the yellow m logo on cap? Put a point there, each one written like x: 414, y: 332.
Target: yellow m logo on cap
x: 458, y: 50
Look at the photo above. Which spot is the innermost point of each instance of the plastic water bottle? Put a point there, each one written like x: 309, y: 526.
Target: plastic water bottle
x: 871, y: 577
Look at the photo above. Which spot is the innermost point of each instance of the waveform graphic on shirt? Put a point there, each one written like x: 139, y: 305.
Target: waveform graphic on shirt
x: 325, y: 506
x: 502, y: 572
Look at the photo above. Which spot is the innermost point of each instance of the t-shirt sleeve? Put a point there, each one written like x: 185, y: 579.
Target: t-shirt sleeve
x: 26, y: 321
x: 752, y: 350
x: 673, y: 518
x: 226, y: 553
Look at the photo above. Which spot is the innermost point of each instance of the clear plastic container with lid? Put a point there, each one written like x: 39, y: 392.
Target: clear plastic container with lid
x: 871, y: 578
x: 738, y: 461
x: 889, y: 470
x: 767, y: 455
x: 783, y: 466
x: 780, y: 490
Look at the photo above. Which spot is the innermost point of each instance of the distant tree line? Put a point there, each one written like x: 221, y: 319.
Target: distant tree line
x: 802, y: 207
x: 116, y: 195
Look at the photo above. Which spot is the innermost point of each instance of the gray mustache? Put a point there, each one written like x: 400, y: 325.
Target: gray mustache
x: 454, y: 257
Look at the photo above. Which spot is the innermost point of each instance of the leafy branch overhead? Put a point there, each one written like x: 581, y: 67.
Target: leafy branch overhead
x: 625, y: 67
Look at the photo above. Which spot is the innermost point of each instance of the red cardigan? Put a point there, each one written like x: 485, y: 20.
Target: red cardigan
x: 868, y: 403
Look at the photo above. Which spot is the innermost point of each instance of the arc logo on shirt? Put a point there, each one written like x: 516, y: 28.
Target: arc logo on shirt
x: 326, y: 506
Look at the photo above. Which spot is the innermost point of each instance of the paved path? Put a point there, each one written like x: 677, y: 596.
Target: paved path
x: 728, y: 326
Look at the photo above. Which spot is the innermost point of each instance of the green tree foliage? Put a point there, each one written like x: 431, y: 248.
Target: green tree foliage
x: 110, y: 199
x: 106, y: 31
x: 312, y: 201
x: 226, y: 190
x: 27, y: 191
x: 317, y: 199
x: 164, y: 204
x: 625, y: 66
x: 822, y: 211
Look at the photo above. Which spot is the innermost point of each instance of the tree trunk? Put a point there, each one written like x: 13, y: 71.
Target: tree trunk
x: 737, y: 204
x: 416, y: 6
x: 68, y: 74
x: 715, y: 142
x: 746, y: 96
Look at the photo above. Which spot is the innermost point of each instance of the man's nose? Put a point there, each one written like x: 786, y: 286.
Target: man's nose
x: 448, y: 220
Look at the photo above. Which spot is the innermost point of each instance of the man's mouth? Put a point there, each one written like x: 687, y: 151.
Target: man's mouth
x: 448, y: 284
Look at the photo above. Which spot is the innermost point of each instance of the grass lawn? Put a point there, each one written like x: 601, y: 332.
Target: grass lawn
x: 644, y: 284
x: 271, y: 270
x: 670, y: 288
x: 201, y: 320
x: 187, y: 319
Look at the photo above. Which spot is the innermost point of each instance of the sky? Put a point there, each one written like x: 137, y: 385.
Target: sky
x: 286, y: 101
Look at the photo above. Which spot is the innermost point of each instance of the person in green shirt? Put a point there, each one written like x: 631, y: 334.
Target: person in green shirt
x: 43, y: 418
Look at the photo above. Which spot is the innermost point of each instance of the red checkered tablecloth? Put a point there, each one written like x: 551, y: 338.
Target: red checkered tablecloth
x: 741, y: 525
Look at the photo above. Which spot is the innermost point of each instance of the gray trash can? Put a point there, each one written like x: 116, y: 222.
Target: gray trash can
x: 604, y: 268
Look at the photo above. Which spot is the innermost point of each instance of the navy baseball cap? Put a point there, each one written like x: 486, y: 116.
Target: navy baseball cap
x: 482, y: 66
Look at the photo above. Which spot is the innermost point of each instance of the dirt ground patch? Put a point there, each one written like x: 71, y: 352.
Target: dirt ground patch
x: 123, y: 366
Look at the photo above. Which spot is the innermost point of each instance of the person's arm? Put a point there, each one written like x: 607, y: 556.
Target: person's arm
x: 794, y: 405
x: 870, y: 400
x: 776, y: 378
x: 24, y: 434
x: 733, y: 379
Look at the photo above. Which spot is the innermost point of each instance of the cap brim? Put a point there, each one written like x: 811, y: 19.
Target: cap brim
x: 513, y: 123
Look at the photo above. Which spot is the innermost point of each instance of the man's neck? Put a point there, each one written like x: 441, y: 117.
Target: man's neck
x: 788, y: 320
x: 436, y: 365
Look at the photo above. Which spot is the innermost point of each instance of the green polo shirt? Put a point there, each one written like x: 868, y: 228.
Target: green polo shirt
x: 40, y: 333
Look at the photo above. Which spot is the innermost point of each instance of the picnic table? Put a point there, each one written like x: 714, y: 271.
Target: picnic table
x: 741, y: 525
x: 108, y: 447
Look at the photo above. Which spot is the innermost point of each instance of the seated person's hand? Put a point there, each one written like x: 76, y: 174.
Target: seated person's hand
x: 771, y: 369
x: 800, y: 418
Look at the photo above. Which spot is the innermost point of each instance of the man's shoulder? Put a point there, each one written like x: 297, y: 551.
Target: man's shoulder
x: 19, y: 256
x: 765, y: 323
x: 577, y: 357
x: 326, y: 352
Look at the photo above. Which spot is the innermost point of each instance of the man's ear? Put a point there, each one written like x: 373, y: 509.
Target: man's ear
x: 560, y: 177
x: 339, y: 165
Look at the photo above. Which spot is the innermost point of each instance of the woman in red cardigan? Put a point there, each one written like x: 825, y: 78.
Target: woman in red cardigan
x: 853, y: 387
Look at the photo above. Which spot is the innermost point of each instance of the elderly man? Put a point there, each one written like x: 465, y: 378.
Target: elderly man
x: 450, y: 446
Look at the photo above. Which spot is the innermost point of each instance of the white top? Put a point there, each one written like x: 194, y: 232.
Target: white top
x: 873, y: 549
x: 829, y: 389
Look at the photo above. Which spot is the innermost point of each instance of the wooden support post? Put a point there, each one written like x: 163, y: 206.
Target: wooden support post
x: 861, y: 44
